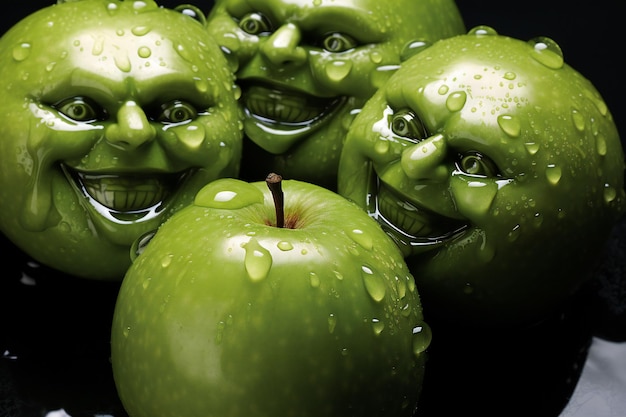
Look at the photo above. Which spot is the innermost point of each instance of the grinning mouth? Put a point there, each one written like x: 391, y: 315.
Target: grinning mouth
x: 126, y: 194
x: 274, y: 105
x: 410, y: 225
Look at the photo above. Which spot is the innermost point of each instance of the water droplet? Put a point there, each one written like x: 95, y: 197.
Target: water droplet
x: 258, y: 260
x: 378, y: 326
x: 141, y: 30
x: 21, y: 51
x: 537, y: 220
x: 401, y: 287
x: 413, y: 48
x: 146, y: 283
x: 553, y: 174
x: 339, y: 275
x: 456, y: 101
x: 50, y: 66
x: 547, y: 52
x: 284, y: 245
x: 482, y: 30
x: 578, y: 119
x: 510, y: 125
x: 510, y: 76
x: 332, y: 323
x: 376, y: 57
x: 144, y: 52
x: 601, y: 147
x: 514, y: 234
x: 338, y: 70
x: 228, y: 193
x: 183, y: 52
x: 126, y: 331
x: 314, y: 280
x: 374, y: 284
x: 192, y: 136
x: 406, y: 310
x: 532, y: 147
x: 122, y: 61
x: 443, y: 89
x: 362, y: 238
x: 609, y: 193
x: 219, y: 335
x: 111, y: 8
x: 167, y: 260
x: 422, y: 337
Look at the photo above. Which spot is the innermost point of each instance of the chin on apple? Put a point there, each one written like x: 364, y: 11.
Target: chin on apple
x: 243, y: 305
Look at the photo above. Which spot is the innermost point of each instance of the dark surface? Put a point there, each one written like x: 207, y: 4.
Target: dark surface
x: 54, y: 329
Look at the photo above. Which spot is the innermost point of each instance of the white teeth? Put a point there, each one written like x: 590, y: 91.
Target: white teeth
x: 417, y: 226
x: 402, y: 214
x: 124, y: 194
x: 287, y: 107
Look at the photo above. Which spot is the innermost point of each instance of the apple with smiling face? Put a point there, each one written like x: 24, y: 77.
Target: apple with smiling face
x: 225, y: 313
x: 114, y: 114
x: 307, y: 66
x: 496, y: 167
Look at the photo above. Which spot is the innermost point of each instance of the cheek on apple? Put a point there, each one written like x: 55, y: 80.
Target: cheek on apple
x: 237, y: 307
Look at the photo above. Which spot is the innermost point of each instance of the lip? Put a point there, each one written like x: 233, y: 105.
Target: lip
x: 275, y: 105
x: 123, y: 194
x: 410, y: 225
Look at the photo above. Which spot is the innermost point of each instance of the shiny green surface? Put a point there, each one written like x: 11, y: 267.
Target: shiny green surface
x: 113, y: 115
x: 224, y: 314
x: 498, y: 170
x: 307, y: 66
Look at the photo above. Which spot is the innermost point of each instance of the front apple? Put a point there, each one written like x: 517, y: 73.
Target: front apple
x: 225, y: 314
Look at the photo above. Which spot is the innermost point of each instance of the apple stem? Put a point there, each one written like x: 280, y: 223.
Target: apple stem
x: 274, y: 183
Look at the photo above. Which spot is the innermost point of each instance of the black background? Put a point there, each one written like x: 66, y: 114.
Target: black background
x: 591, y: 34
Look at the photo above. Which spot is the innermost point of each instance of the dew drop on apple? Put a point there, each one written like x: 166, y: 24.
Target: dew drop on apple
x: 332, y: 323
x: 338, y: 70
x: 422, y: 337
x: 362, y: 238
x: 456, y: 101
x: 167, y: 260
x: 21, y: 51
x: 609, y: 194
x: 228, y: 193
x: 257, y: 261
x: 553, y: 173
x: 314, y: 279
x: 374, y: 284
x: 378, y: 326
x: 601, y: 147
x: 547, y: 52
x: 284, y: 246
x: 510, y: 125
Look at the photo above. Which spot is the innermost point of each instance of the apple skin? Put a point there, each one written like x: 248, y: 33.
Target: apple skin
x: 113, y: 116
x: 223, y: 314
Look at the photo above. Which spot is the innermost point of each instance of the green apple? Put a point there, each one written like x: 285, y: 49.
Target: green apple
x: 307, y: 66
x: 497, y: 168
x: 225, y: 314
x: 113, y: 115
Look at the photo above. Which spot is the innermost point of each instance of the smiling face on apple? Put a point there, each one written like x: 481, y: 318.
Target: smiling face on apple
x: 498, y: 170
x: 305, y: 66
x: 225, y: 314
x: 114, y: 115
